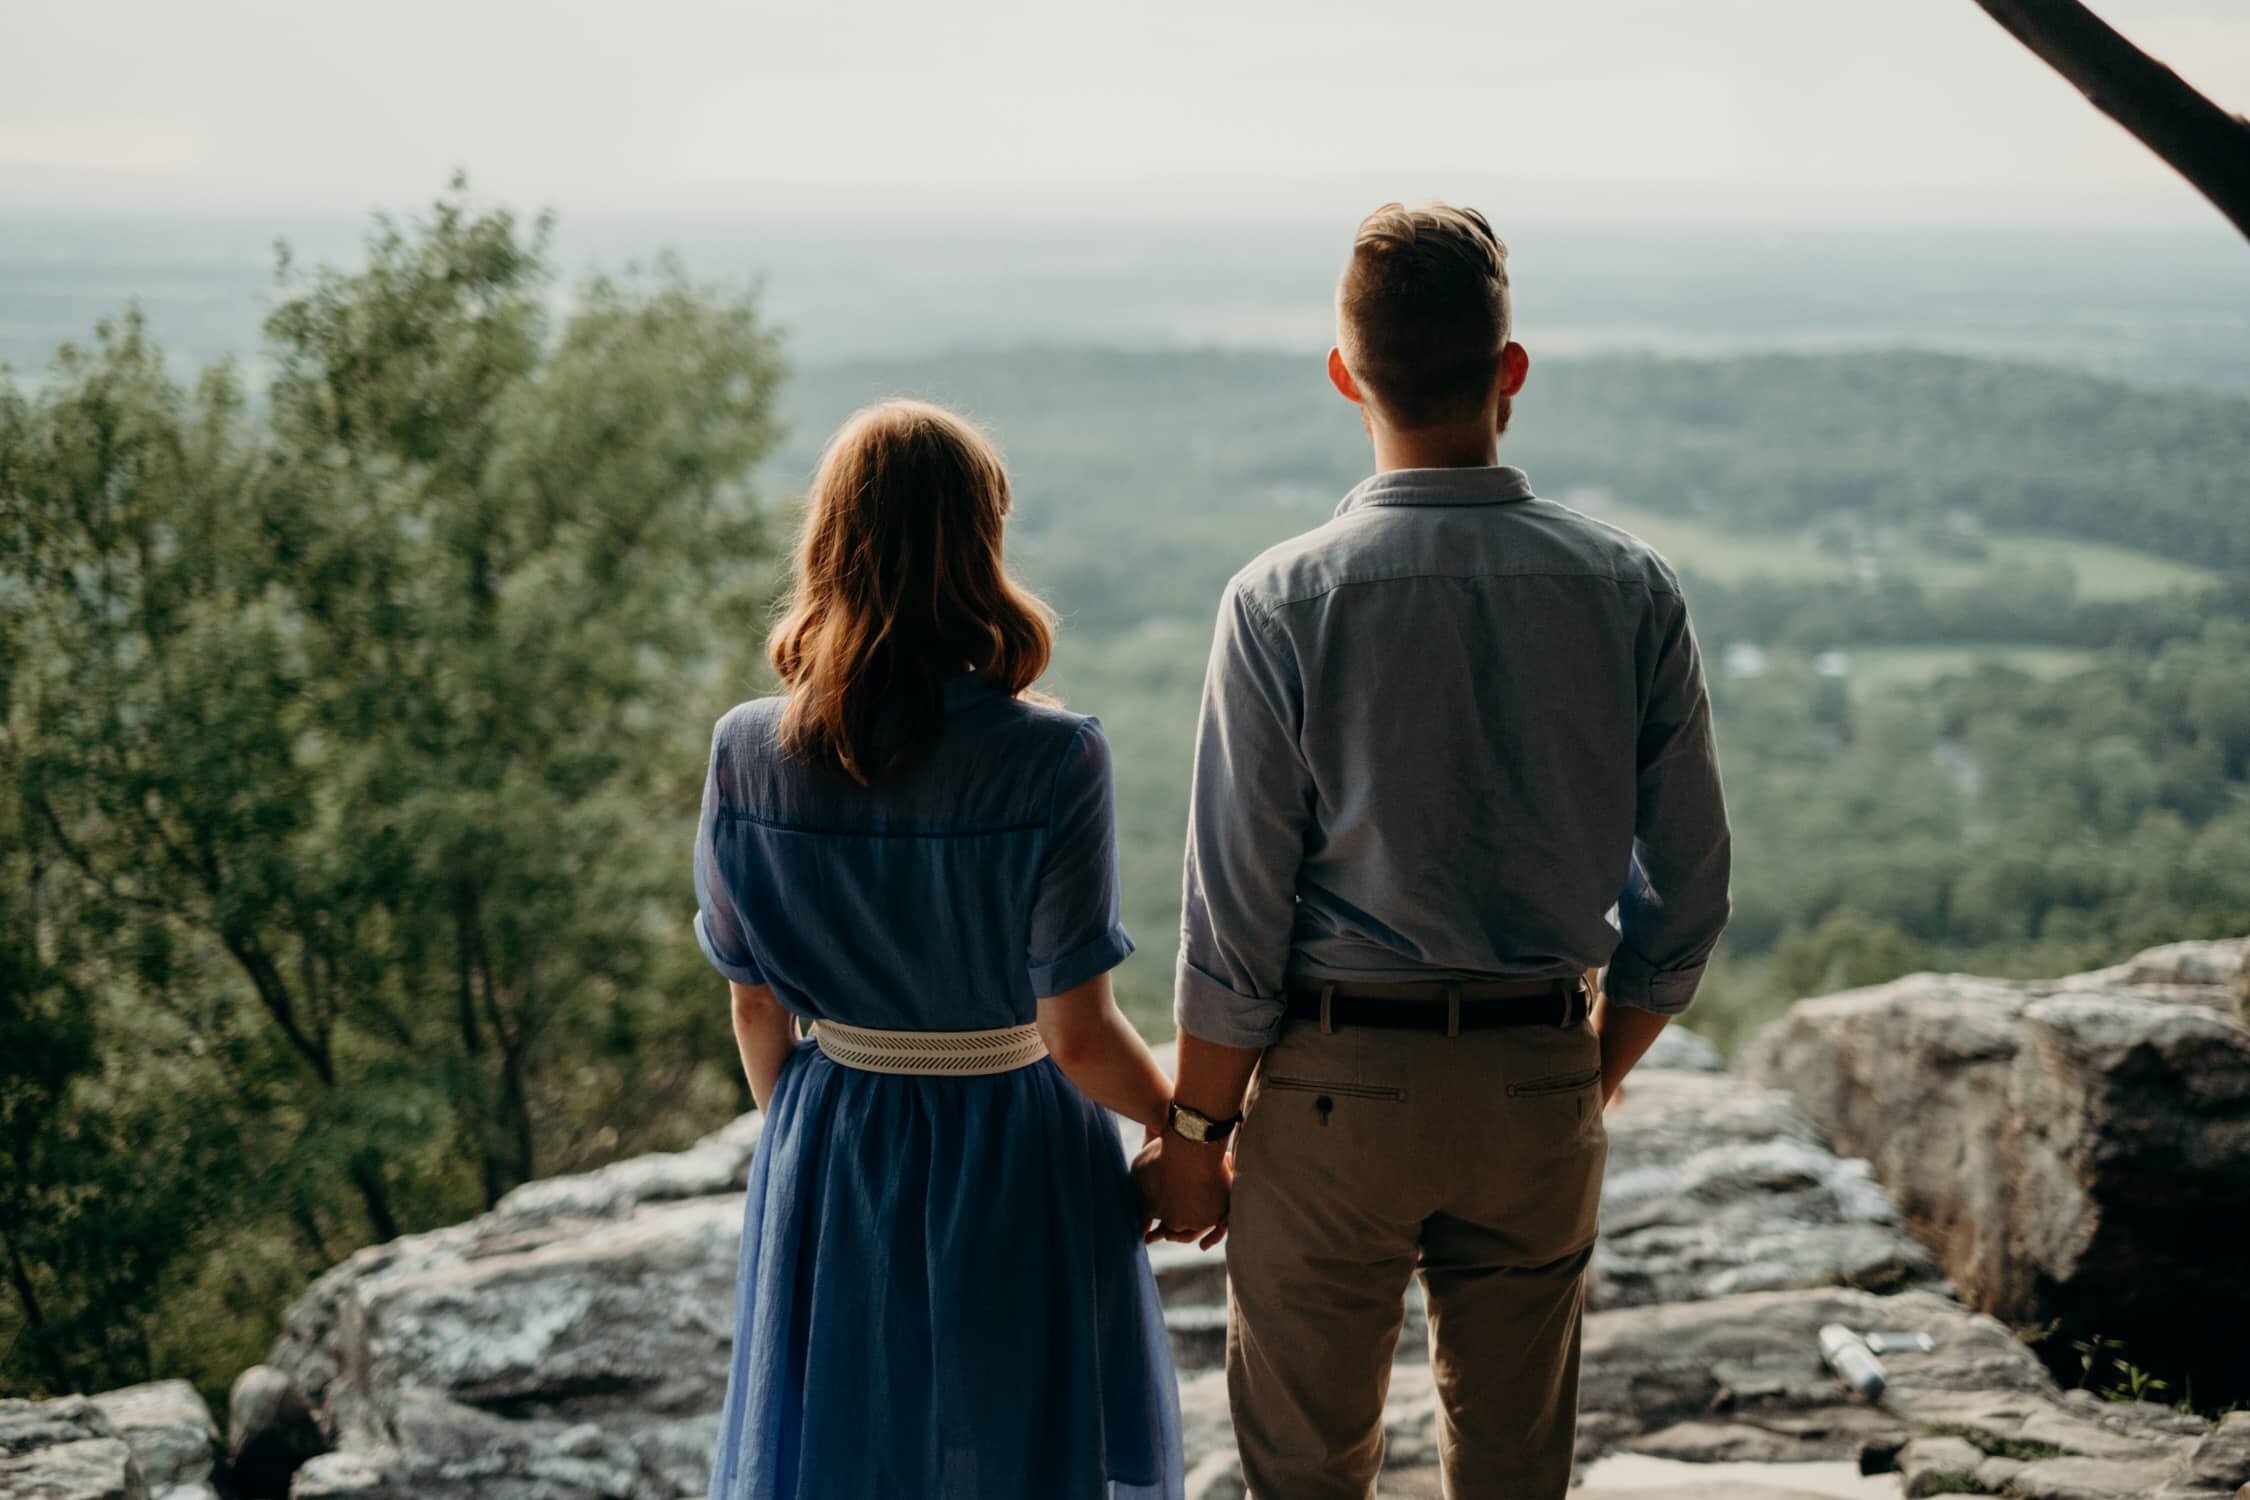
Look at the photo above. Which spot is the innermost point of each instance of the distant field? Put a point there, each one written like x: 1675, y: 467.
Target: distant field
x: 2105, y: 572
x: 1877, y: 669
x: 2102, y: 572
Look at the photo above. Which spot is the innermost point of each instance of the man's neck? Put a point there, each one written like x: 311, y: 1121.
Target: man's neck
x: 1436, y: 448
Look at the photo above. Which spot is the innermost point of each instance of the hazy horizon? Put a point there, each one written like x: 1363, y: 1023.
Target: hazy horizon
x: 1768, y: 111
x: 1749, y: 174
x: 2157, y: 307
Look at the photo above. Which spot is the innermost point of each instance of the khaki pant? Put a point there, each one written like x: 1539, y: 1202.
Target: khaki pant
x: 1365, y: 1156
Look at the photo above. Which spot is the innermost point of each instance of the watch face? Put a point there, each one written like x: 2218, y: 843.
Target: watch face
x: 1194, y: 1125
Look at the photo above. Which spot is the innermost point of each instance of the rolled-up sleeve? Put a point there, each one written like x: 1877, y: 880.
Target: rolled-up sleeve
x: 719, y: 928
x: 1077, y: 933
x: 1676, y: 902
x: 1248, y: 810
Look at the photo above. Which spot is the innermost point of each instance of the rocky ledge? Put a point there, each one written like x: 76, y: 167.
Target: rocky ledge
x: 2076, y: 1150
x: 145, y: 1442
x: 571, y: 1344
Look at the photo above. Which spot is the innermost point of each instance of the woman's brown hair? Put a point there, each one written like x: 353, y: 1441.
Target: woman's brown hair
x: 900, y: 588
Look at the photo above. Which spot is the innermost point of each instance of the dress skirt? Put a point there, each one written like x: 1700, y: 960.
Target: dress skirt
x: 944, y: 1296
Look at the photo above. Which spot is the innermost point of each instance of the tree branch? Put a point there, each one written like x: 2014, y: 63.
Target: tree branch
x: 2201, y: 141
x: 34, y: 1319
x: 273, y: 994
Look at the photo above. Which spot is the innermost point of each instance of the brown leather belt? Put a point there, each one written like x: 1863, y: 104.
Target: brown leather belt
x: 1435, y: 1005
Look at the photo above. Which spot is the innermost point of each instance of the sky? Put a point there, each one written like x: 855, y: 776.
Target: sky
x: 1784, y: 110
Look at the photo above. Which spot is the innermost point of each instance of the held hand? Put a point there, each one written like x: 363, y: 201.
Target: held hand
x: 1144, y: 1181
x: 1144, y: 1173
x: 1184, y: 1190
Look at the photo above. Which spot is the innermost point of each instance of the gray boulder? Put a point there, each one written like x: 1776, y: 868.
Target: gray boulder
x: 570, y: 1343
x: 2076, y: 1151
x: 1715, y: 1187
x: 65, y: 1449
x: 170, y: 1433
x: 315, y: 1341
x: 29, y: 1425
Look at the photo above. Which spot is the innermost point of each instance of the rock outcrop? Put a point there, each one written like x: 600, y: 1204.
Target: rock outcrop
x: 572, y: 1343
x: 171, y: 1435
x: 2077, y: 1151
x: 145, y: 1442
x: 1715, y: 1187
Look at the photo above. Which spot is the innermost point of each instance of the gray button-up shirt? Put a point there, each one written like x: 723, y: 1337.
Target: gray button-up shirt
x: 1448, y: 735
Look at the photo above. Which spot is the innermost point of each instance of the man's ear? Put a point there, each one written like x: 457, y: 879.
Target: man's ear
x: 1341, y: 378
x: 1515, y: 368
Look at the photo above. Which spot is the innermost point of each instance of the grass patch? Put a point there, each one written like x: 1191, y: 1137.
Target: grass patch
x: 1992, y: 1445
x: 2102, y: 572
x: 1877, y: 669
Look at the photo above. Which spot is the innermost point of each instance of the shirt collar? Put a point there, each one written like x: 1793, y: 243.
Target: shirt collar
x: 1495, y: 484
x: 965, y: 689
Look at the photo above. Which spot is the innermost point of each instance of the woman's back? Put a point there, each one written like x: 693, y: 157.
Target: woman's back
x: 944, y: 898
x: 943, y: 1291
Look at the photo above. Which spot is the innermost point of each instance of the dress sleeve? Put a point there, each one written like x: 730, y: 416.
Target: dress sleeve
x: 719, y: 928
x: 1076, y: 931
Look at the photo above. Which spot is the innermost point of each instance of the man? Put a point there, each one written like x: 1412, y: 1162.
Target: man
x: 1445, y: 737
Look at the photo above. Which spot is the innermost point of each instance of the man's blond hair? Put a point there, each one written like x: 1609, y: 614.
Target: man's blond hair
x: 1422, y: 312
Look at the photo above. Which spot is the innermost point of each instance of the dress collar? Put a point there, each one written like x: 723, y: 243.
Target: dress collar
x: 1494, y: 484
x: 967, y: 688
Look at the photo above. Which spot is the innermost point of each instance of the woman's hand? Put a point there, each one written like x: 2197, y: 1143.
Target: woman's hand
x: 765, y: 1035
x: 1186, y: 1190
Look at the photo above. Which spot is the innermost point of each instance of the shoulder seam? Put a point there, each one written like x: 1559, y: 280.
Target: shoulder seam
x: 1609, y: 578
x: 1258, y: 610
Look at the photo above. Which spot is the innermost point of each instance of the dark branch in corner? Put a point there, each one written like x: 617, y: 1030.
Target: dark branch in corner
x: 2201, y: 141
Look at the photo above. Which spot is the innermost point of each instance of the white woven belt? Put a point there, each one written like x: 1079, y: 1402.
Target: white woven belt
x: 945, y: 1054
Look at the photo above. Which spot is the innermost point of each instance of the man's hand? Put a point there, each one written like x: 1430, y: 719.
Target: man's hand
x: 1625, y: 1035
x: 1184, y: 1190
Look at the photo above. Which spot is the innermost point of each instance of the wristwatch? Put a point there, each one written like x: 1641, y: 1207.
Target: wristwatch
x: 1194, y: 1125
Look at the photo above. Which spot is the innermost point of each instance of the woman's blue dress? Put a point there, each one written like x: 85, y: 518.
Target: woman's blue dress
x: 943, y: 1295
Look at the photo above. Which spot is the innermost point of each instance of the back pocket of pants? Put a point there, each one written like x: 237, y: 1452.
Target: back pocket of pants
x: 1556, y: 1083
x: 1335, y: 1090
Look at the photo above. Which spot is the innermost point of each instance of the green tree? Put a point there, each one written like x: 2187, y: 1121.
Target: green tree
x: 357, y: 733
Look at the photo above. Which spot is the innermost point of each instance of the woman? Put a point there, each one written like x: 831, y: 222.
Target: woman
x: 943, y: 1293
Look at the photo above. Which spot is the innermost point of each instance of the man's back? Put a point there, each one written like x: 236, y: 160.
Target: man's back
x: 1441, y: 737
x: 1478, y: 688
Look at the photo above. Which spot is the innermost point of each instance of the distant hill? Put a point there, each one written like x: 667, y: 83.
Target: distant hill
x: 1788, y: 441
